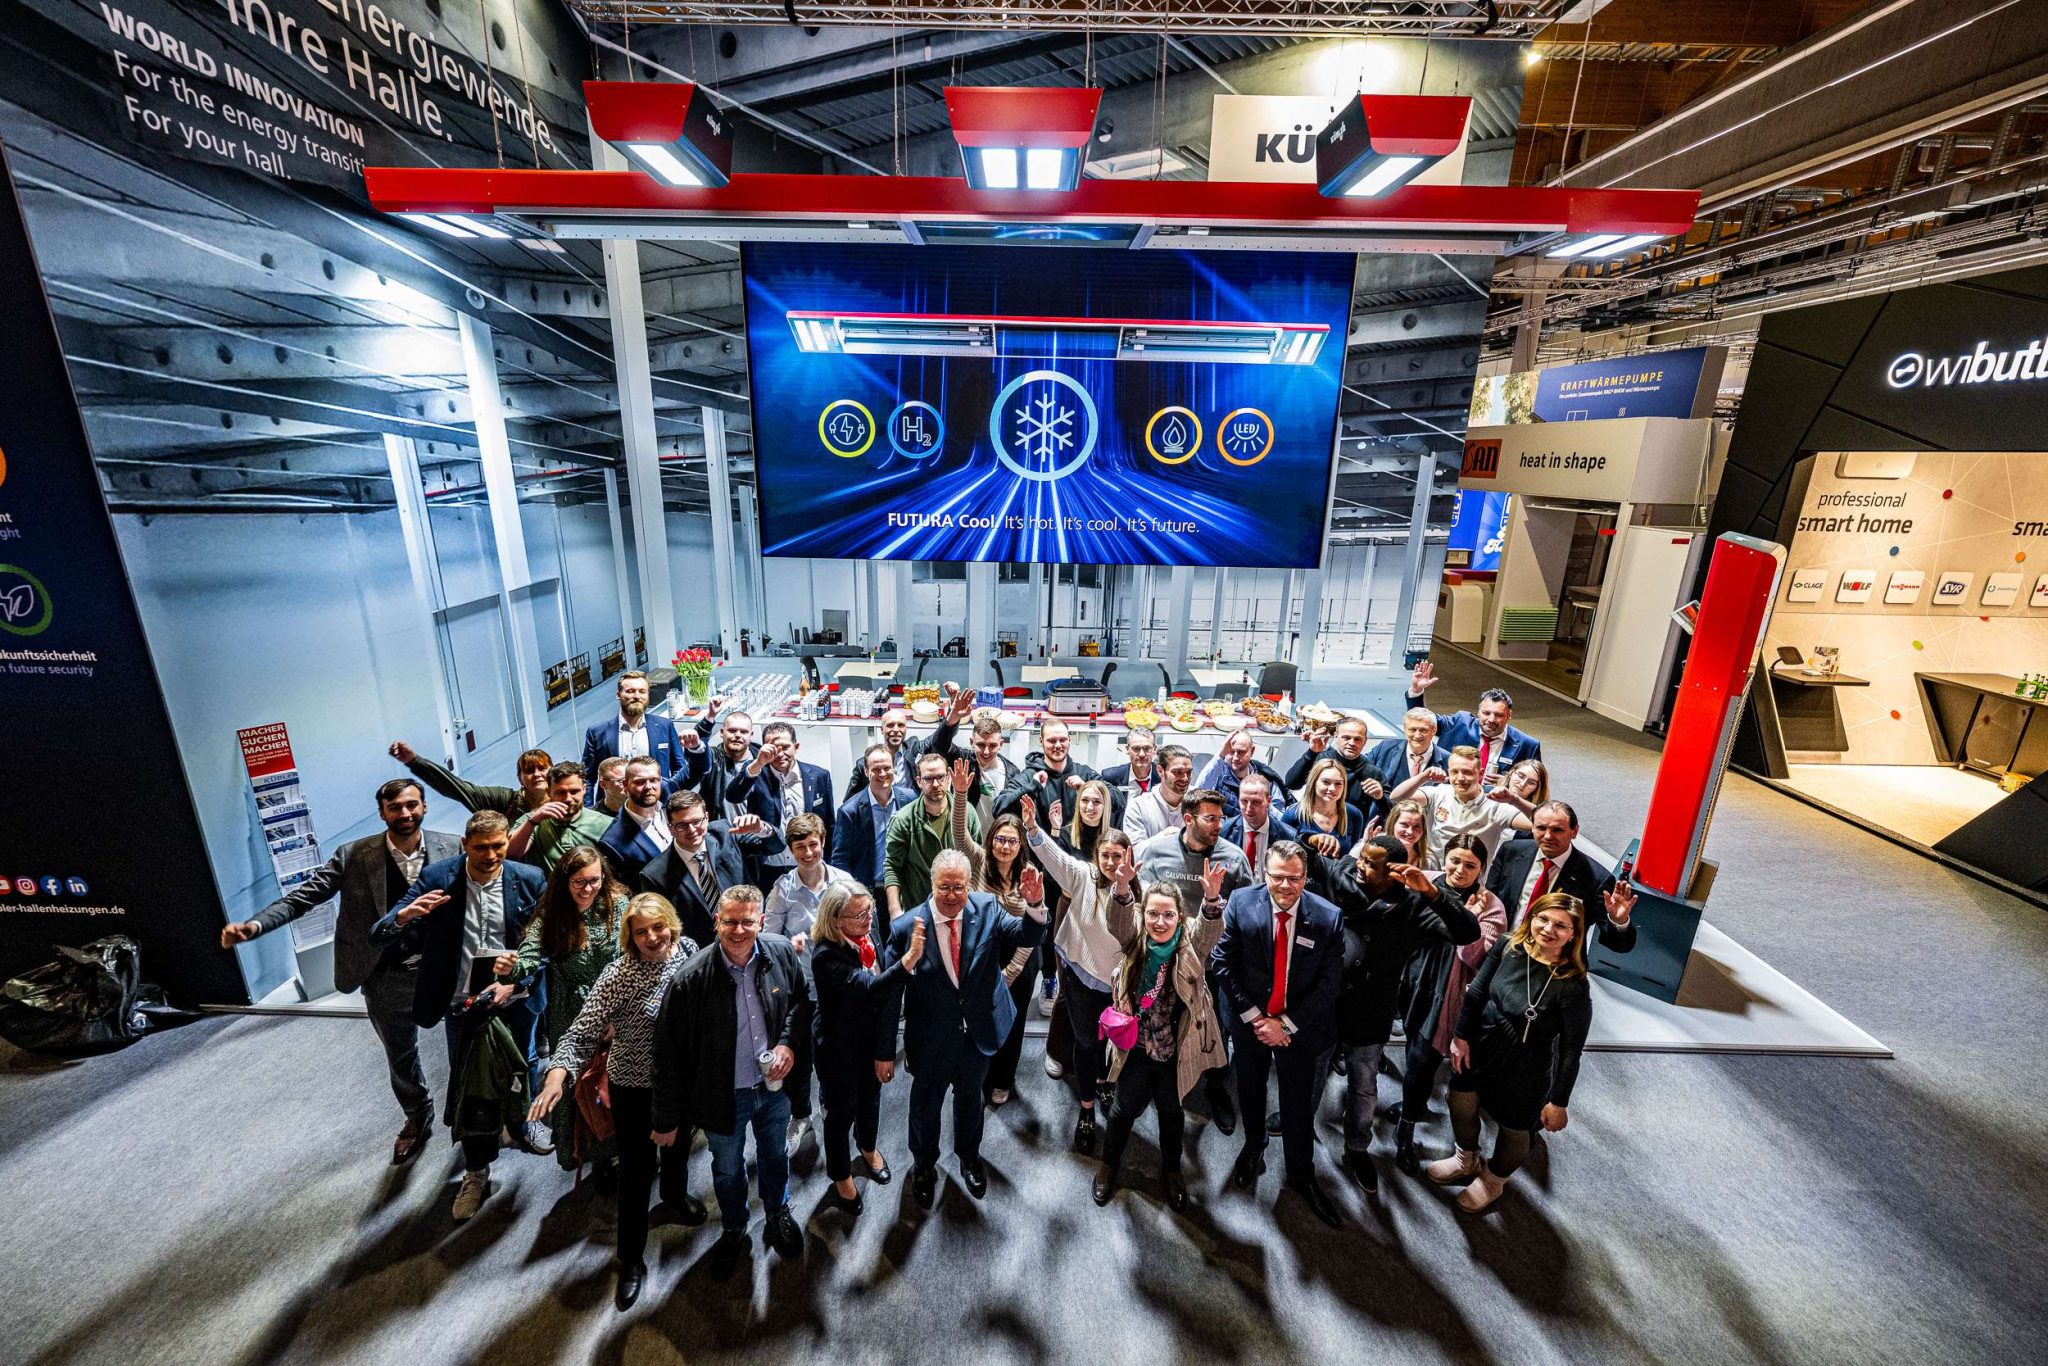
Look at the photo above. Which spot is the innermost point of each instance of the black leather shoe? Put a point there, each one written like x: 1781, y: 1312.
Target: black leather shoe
x: 881, y: 1175
x: 1340, y: 1064
x: 411, y: 1142
x: 1389, y: 1114
x: 687, y: 1210
x: 1176, y: 1192
x: 1359, y: 1164
x: 974, y: 1176
x: 1273, y: 1124
x: 924, y: 1185
x: 1084, y: 1133
x: 1250, y: 1165
x: 726, y: 1254
x: 1223, y: 1110
x: 1105, y: 1185
x: 631, y: 1278
x: 1405, y: 1156
x: 1318, y: 1203
x: 854, y: 1206
x: 784, y: 1235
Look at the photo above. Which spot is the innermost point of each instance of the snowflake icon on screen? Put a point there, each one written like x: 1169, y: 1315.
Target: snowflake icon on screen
x: 1043, y: 425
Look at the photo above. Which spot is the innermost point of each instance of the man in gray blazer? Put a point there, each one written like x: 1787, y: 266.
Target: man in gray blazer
x: 372, y: 875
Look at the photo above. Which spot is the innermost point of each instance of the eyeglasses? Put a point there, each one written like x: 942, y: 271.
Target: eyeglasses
x: 587, y: 883
x: 862, y: 914
x: 739, y: 924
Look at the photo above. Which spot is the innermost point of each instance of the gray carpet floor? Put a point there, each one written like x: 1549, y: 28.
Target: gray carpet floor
x: 220, y: 1193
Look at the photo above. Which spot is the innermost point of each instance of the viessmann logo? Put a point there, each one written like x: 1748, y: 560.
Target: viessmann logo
x: 1911, y: 369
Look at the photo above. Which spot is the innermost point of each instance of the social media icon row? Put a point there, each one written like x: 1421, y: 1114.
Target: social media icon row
x: 47, y: 886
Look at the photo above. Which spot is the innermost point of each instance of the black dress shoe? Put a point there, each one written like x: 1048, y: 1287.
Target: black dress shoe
x: 1176, y: 1191
x: 1223, y: 1110
x: 881, y: 1175
x: 1359, y: 1164
x: 784, y: 1235
x: 1084, y: 1133
x: 1273, y: 1124
x: 726, y: 1253
x: 631, y: 1278
x: 1405, y: 1156
x: 924, y: 1185
x: 1105, y: 1185
x: 411, y: 1142
x: 1312, y: 1195
x: 1250, y: 1164
x: 686, y: 1210
x: 974, y: 1176
x: 853, y: 1205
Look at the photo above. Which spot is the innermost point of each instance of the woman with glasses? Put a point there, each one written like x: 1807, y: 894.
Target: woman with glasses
x: 854, y: 1027
x: 576, y: 934
x: 998, y: 863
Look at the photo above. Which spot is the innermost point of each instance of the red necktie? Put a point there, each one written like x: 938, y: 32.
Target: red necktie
x: 1542, y: 886
x: 1276, y: 1004
x: 1251, y: 850
x: 1485, y: 750
x: 953, y: 946
x: 867, y: 952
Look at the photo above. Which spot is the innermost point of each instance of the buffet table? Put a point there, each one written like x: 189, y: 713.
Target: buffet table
x: 835, y: 742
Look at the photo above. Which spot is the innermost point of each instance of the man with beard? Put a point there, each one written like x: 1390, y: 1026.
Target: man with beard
x: 906, y: 749
x: 636, y: 733
x: 1052, y: 773
x: 1500, y: 745
x: 559, y: 824
x: 372, y: 875
x: 1230, y: 766
x: 640, y: 835
x: 1157, y: 810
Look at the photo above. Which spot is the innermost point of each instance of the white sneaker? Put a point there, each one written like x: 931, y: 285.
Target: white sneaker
x: 1484, y: 1190
x: 1054, y: 1070
x: 470, y: 1199
x: 799, y: 1130
x: 1460, y: 1166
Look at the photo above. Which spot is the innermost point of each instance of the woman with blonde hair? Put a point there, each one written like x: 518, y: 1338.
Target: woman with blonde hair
x: 854, y: 1030
x: 999, y: 863
x: 1408, y: 822
x: 1323, y: 810
x: 627, y: 999
x: 1162, y: 980
x: 1516, y: 1055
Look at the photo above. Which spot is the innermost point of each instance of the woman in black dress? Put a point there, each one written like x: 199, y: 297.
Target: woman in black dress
x: 855, y: 1030
x: 1517, y: 1052
x: 1434, y: 988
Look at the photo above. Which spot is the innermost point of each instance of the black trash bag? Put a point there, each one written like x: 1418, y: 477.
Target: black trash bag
x: 92, y: 997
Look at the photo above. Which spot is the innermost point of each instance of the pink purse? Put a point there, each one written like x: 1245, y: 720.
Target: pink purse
x: 1121, y: 1027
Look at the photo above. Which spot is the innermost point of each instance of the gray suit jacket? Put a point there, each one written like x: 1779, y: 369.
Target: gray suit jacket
x: 357, y: 871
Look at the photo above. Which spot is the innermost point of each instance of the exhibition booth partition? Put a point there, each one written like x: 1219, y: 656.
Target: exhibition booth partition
x: 1894, y: 445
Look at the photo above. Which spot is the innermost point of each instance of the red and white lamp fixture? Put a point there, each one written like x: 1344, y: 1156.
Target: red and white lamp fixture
x: 1378, y: 143
x: 1022, y: 137
x: 1022, y: 151
x: 670, y: 129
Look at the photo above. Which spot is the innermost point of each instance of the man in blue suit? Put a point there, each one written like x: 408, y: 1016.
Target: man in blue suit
x: 1257, y: 822
x: 1279, y: 965
x: 861, y: 828
x: 635, y: 732
x: 1414, y: 754
x: 791, y: 788
x: 458, y: 911
x: 958, y: 1010
x: 1500, y: 745
x: 640, y: 834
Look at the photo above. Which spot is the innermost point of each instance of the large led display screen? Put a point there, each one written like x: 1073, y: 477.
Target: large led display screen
x: 1043, y: 403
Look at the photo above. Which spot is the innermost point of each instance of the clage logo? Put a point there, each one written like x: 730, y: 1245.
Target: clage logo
x: 24, y: 602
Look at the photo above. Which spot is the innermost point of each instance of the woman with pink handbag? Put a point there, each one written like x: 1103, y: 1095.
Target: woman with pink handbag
x: 1161, y: 1023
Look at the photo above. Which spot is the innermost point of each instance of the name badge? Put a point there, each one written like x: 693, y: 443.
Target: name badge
x: 1304, y: 943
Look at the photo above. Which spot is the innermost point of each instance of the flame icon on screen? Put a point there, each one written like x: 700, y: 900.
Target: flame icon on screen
x: 1173, y: 439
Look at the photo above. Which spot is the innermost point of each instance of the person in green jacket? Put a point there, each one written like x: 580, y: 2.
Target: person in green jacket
x: 559, y: 824
x: 918, y: 833
x: 510, y: 802
x: 575, y: 935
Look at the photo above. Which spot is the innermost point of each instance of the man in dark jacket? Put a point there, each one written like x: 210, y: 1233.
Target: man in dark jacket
x: 704, y: 858
x: 1366, y: 786
x: 462, y: 912
x: 1052, y: 774
x: 861, y: 829
x: 1390, y: 908
x: 1525, y: 870
x: 725, y: 1040
x: 372, y: 875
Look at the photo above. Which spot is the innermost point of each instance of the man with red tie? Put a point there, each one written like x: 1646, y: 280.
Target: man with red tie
x: 1500, y: 745
x: 1279, y: 965
x: 957, y: 1010
x: 1526, y: 870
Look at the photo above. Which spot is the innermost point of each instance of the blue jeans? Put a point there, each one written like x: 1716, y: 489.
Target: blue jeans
x: 767, y: 1113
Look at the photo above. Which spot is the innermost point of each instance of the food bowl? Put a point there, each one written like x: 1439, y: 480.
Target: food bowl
x: 924, y: 712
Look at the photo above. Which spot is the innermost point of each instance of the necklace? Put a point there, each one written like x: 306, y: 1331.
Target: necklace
x: 1528, y: 976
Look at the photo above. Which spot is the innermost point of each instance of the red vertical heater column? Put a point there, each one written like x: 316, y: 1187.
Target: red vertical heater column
x: 1742, y: 585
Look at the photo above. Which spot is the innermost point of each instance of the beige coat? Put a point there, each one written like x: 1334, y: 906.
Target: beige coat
x: 1198, y: 1046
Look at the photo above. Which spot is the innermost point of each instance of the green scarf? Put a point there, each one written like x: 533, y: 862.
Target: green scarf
x: 1156, y: 955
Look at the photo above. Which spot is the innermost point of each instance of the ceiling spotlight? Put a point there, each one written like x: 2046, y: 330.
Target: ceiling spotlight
x: 1378, y: 143
x: 1023, y: 138
x: 669, y: 129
